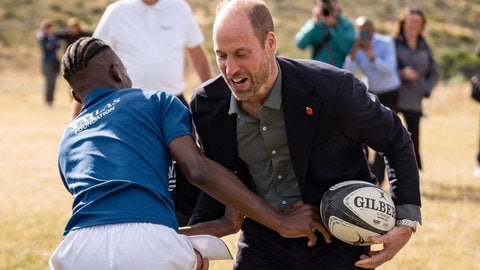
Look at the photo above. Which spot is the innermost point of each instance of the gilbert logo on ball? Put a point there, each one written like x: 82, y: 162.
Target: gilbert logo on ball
x: 355, y: 210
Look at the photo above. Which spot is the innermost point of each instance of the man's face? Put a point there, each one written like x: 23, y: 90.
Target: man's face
x: 243, y: 61
x: 150, y: 2
x: 367, y: 30
x: 50, y: 29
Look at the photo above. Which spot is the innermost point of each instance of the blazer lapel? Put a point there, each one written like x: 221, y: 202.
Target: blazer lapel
x: 302, y: 111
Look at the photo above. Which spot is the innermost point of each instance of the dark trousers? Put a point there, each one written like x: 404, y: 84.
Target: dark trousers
x: 50, y: 72
x: 260, y: 248
x: 478, y: 153
x: 390, y: 100
x: 412, y: 120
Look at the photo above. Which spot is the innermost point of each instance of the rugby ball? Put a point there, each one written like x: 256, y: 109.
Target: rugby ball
x: 354, y: 210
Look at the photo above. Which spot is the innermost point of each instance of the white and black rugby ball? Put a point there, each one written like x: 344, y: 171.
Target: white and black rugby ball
x: 352, y: 211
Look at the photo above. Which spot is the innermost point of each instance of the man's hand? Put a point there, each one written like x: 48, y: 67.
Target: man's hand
x: 392, y: 242
x: 366, y: 45
x: 316, y: 13
x: 362, y: 44
x: 302, y: 220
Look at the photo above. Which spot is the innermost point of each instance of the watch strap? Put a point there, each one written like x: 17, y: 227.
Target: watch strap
x: 407, y: 222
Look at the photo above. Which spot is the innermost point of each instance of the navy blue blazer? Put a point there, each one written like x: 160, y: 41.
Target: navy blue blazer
x: 329, y: 116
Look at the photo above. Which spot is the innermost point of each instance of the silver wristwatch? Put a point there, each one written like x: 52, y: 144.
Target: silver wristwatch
x: 407, y: 222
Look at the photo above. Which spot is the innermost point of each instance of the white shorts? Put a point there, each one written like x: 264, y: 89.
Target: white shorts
x: 124, y: 246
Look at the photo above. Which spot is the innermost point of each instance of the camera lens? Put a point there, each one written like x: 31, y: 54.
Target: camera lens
x: 326, y: 11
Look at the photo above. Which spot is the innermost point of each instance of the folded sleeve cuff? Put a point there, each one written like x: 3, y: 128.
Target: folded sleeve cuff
x: 409, y: 211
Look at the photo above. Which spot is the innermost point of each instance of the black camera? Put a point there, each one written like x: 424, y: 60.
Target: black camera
x: 327, y: 8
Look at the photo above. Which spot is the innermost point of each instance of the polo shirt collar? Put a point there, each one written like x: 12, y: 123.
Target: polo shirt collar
x: 141, y: 6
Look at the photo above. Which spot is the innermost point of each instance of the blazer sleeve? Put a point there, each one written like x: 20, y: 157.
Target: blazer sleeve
x: 363, y: 118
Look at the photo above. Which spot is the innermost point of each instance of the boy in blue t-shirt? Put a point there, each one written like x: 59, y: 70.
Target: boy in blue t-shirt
x: 114, y: 159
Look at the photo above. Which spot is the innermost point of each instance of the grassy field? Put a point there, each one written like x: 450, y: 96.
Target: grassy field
x: 452, y: 29
x: 35, y: 206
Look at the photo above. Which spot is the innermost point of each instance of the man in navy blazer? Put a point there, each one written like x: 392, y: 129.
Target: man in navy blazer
x: 290, y: 129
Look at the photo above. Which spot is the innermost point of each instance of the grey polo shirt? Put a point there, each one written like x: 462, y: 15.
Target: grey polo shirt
x: 263, y: 146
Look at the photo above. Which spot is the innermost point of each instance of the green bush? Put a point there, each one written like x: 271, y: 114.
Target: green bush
x: 458, y: 64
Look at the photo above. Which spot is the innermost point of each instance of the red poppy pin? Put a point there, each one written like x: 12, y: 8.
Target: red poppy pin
x: 308, y: 110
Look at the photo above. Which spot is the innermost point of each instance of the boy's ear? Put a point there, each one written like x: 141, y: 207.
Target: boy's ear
x: 115, y: 73
x: 74, y: 95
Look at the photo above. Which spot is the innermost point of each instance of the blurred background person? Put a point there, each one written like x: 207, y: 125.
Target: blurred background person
x: 373, y: 57
x: 417, y: 70
x: 73, y: 32
x: 50, y: 64
x: 68, y: 36
x: 328, y: 34
x: 151, y: 37
x: 476, y: 81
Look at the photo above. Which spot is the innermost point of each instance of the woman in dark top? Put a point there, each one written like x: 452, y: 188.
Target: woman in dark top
x: 417, y: 69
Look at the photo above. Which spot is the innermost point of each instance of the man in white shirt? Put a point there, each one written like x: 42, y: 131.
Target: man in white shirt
x: 151, y: 37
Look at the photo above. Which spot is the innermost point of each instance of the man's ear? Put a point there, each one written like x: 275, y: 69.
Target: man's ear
x: 271, y: 42
x: 74, y: 95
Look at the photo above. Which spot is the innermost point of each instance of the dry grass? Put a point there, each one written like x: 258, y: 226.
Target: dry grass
x: 35, y: 205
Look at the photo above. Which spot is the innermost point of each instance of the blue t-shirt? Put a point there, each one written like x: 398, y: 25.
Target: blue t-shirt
x: 114, y: 158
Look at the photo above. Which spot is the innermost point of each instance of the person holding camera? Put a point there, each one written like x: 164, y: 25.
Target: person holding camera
x: 328, y: 34
x: 373, y: 57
